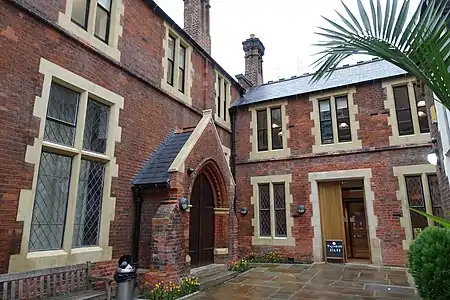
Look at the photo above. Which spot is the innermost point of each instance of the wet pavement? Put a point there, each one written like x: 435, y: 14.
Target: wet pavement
x: 318, y: 281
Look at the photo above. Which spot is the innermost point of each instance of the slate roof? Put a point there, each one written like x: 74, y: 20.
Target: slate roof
x: 155, y: 171
x: 347, y: 75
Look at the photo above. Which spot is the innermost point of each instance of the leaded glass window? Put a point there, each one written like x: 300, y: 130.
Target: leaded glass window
x: 280, y: 210
x: 272, y: 210
x: 416, y: 200
x: 96, y: 127
x: 264, y: 210
x: 436, y: 204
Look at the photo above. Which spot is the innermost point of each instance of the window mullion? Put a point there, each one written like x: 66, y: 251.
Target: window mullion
x: 71, y: 203
x: 81, y: 120
x: 413, y: 107
x: 272, y: 211
x: 91, y: 18
x: 427, y: 198
x: 269, y: 133
x: 334, y: 123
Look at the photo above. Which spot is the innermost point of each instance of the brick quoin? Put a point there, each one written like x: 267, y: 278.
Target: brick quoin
x: 148, y: 116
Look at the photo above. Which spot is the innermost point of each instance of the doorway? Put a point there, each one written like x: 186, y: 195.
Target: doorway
x: 343, y: 217
x: 201, y: 227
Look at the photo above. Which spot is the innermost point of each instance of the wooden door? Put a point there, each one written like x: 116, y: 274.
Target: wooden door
x: 331, y: 213
x: 201, y: 229
x: 358, y: 230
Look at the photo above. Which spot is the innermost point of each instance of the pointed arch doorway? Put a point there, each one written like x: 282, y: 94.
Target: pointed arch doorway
x: 201, y: 228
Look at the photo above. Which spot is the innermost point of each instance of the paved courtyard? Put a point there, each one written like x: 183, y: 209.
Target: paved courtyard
x: 319, y: 281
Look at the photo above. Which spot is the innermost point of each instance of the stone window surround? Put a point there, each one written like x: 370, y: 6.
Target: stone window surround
x: 269, y: 154
x: 389, y: 103
x: 400, y: 173
x: 372, y: 221
x: 354, y: 125
x: 26, y: 261
x: 227, y: 152
x: 257, y: 240
x: 115, y: 30
x: 224, y: 92
x: 443, y: 114
x: 173, y: 90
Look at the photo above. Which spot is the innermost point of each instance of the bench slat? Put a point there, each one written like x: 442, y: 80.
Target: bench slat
x: 78, y: 280
x: 62, y: 285
x: 27, y: 289
x: 49, y: 288
x: 55, y: 281
x: 41, y: 285
x: 72, y: 281
x: 20, y: 295
x: 35, y: 287
x: 5, y: 290
x: 13, y: 290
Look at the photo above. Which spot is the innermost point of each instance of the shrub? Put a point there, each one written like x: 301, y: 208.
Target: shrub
x: 172, y: 291
x: 429, y: 263
x: 240, y: 266
x: 269, y: 257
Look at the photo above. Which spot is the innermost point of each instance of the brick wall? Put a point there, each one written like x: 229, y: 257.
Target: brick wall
x: 376, y: 154
x: 148, y: 116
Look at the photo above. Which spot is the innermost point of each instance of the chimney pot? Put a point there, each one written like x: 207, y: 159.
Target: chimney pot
x: 254, y: 52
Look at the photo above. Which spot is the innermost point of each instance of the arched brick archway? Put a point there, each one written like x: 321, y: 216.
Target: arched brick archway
x: 208, y: 222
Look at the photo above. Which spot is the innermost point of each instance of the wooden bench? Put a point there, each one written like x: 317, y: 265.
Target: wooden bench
x: 70, y: 282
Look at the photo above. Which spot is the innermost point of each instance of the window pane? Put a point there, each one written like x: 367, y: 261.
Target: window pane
x: 61, y: 115
x: 280, y: 210
x: 277, y: 132
x: 96, y: 128
x: 106, y: 4
x: 264, y: 210
x: 101, y: 24
x: 417, y: 201
x: 182, y: 62
x: 435, y: 196
x: 80, y: 12
x: 403, y: 108
x: 181, y: 80
x: 262, y: 130
x: 225, y: 105
x: 170, y: 72
x: 89, y: 203
x: 421, y: 110
x: 343, y: 119
x: 326, y: 125
x: 171, y: 48
x: 50, y: 204
x: 219, y: 96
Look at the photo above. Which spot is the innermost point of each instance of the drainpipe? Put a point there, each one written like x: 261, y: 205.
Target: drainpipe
x: 232, y: 113
x: 137, y: 199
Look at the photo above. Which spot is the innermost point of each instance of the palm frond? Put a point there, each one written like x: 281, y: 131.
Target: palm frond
x: 419, y: 44
x: 438, y: 220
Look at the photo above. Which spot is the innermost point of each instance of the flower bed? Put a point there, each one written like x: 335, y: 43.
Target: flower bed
x: 172, y: 291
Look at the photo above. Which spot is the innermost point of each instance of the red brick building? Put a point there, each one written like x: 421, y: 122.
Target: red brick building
x: 341, y: 159
x: 111, y: 115
x: 90, y: 91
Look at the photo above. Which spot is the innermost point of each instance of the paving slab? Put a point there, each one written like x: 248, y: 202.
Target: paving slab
x: 317, y: 281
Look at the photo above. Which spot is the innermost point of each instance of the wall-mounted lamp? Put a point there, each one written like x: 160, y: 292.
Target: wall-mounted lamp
x: 433, y: 155
x: 244, y: 211
x: 183, y: 203
x: 190, y: 171
x: 301, y: 209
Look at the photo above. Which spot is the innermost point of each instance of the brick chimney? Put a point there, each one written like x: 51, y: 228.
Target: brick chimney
x: 254, y: 52
x: 196, y: 22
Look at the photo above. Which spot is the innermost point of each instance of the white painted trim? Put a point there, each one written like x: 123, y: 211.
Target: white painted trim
x: 396, y: 139
x: 25, y: 261
x: 372, y: 222
x: 289, y: 240
x: 402, y: 195
x: 443, y: 119
x: 220, y: 251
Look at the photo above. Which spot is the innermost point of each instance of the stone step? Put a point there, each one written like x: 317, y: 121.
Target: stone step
x: 209, y: 270
x: 216, y: 279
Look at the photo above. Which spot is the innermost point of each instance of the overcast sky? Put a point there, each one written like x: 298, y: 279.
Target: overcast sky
x: 286, y: 28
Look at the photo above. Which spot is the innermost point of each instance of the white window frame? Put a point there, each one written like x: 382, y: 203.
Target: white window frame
x: 115, y: 28
x: 273, y: 240
x: 255, y: 154
x: 188, y: 71
x: 443, y: 119
x: 396, y: 139
x: 355, y: 143
x: 25, y: 260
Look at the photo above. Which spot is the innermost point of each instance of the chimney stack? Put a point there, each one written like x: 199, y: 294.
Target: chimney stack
x: 254, y: 52
x: 196, y: 22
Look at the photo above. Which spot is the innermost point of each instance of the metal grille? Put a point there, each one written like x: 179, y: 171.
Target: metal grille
x: 50, y: 205
x: 96, y: 129
x: 61, y: 115
x: 89, y: 202
x: 264, y: 210
x: 434, y: 194
x: 280, y: 210
x: 416, y: 200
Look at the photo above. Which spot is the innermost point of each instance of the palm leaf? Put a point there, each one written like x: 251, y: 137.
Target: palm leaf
x: 438, y: 220
x: 419, y: 45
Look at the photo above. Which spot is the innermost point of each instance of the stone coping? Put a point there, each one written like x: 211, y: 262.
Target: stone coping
x: 184, y: 297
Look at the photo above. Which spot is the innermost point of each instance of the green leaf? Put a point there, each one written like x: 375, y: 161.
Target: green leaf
x: 438, y: 220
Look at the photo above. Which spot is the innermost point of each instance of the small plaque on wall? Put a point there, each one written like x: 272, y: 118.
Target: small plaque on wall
x: 334, y: 249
